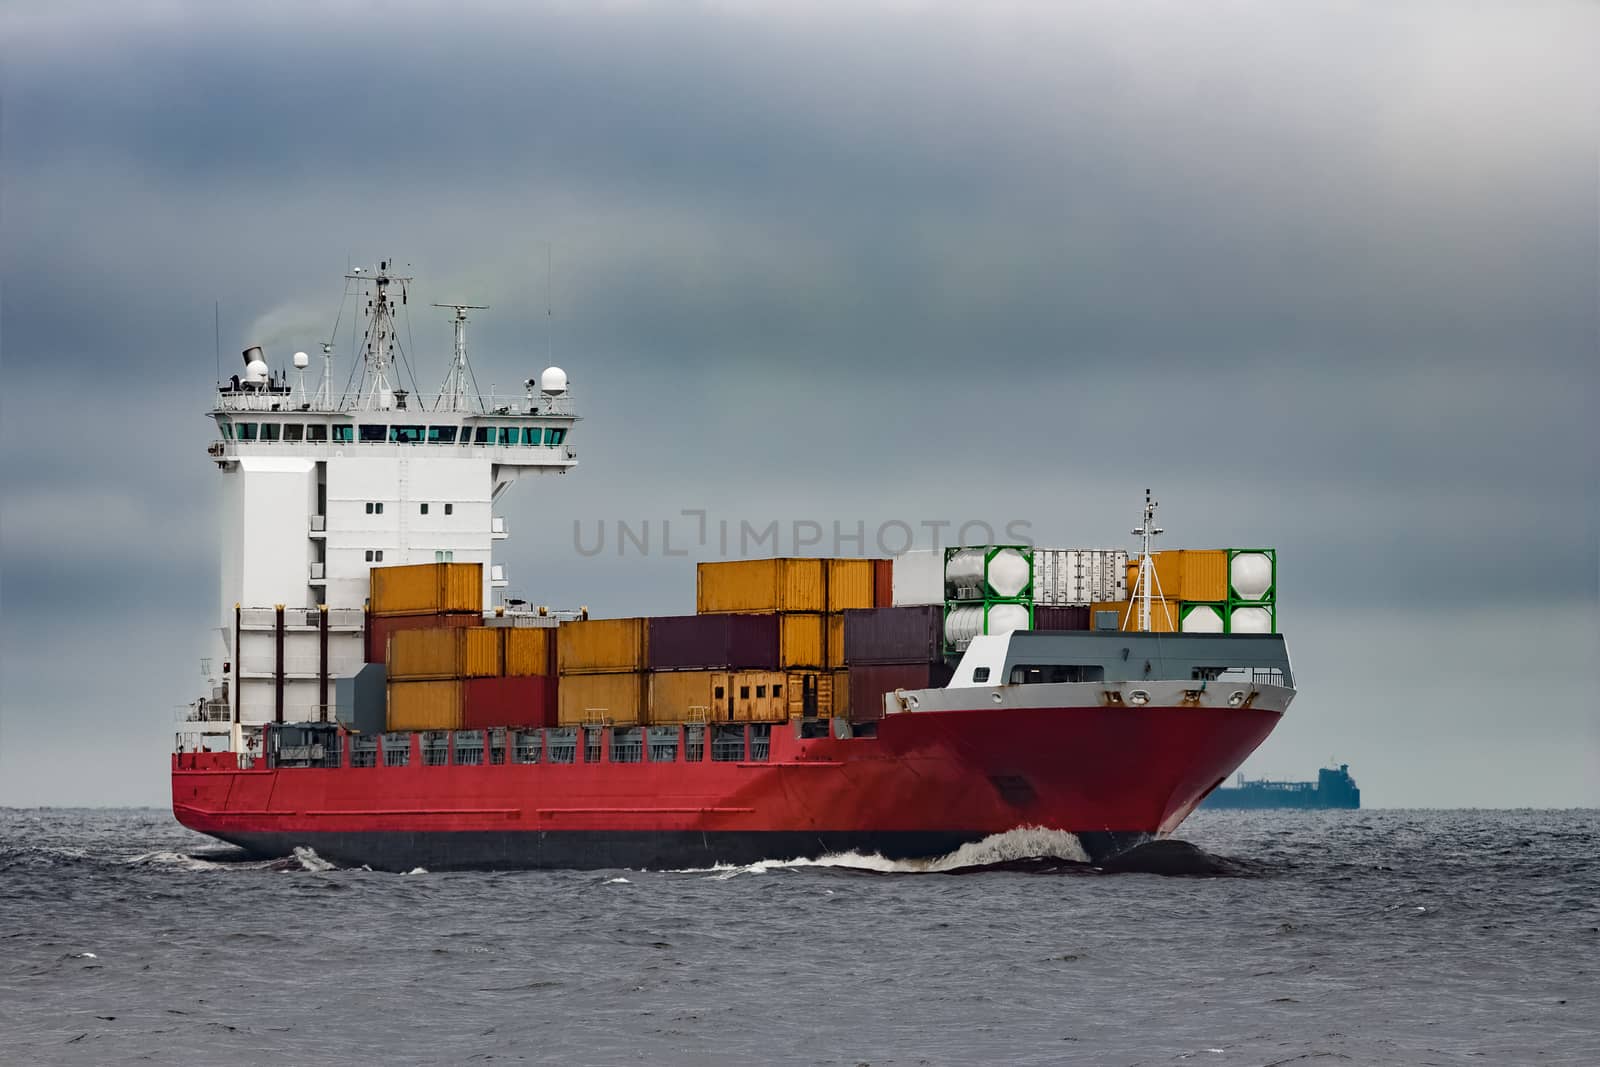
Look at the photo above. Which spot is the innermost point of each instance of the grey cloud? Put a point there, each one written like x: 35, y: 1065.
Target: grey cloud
x: 1324, y: 280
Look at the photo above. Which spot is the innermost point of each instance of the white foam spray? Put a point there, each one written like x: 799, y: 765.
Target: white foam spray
x: 1023, y: 843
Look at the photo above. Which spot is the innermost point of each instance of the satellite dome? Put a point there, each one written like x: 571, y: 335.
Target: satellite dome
x: 553, y: 380
x: 301, y: 360
x: 255, y: 372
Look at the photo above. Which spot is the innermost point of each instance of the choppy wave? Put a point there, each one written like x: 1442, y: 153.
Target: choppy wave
x: 1024, y: 843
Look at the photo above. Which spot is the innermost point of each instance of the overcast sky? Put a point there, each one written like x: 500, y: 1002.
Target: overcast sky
x: 1325, y: 279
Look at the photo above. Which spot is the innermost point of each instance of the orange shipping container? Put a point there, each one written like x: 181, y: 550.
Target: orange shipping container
x: 835, y: 641
x: 689, y: 696
x: 802, y: 640
x: 1190, y: 574
x: 606, y: 698
x: 758, y: 696
x: 809, y: 691
x: 760, y: 586
x: 1163, y: 615
x: 841, y: 693
x: 529, y: 650
x: 426, y: 589
x: 849, y: 584
x: 601, y: 646
x: 424, y: 705
x: 417, y: 655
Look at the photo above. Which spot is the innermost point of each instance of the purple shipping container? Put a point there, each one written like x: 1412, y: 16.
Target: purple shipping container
x: 1061, y: 618
x: 714, y: 643
x: 894, y: 635
x: 869, y: 682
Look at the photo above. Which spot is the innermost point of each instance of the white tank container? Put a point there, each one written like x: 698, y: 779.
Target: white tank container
x: 963, y: 624
x: 1250, y: 574
x: 1250, y: 621
x: 1005, y: 574
x: 1203, y: 619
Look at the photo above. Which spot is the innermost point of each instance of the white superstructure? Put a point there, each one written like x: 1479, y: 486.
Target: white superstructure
x: 320, y: 485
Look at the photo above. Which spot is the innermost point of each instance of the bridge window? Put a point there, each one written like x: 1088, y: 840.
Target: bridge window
x: 441, y: 435
x: 343, y: 435
x: 269, y: 431
x: 509, y: 435
x: 372, y: 432
x: 405, y: 435
x: 247, y: 431
x: 555, y: 437
x: 316, y: 432
x: 226, y: 428
x: 530, y: 435
x: 292, y: 431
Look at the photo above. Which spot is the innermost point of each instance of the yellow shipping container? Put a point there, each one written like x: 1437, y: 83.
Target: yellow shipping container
x: 605, y: 698
x: 802, y: 640
x: 796, y: 685
x: 426, y: 589
x: 835, y: 641
x: 841, y: 692
x: 424, y: 705
x: 1164, y: 617
x: 1191, y: 574
x: 528, y: 650
x: 688, y: 696
x: 601, y: 646
x: 849, y: 584
x: 761, y: 586
x: 468, y: 652
x: 758, y: 696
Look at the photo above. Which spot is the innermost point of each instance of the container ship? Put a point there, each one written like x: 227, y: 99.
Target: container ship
x: 383, y: 700
x: 1334, y: 788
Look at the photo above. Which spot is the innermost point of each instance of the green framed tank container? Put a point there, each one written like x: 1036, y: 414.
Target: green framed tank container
x: 988, y: 573
x: 966, y: 619
x: 1203, y: 617
x: 1253, y: 575
x: 1246, y: 617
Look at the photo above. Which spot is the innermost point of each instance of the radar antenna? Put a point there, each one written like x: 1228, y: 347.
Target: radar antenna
x: 453, y: 394
x: 377, y: 391
x: 1147, y: 569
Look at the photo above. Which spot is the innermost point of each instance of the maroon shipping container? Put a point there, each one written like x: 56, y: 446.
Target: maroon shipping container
x: 527, y: 700
x: 379, y: 629
x: 894, y: 635
x: 1061, y: 618
x: 869, y: 682
x: 713, y: 643
x: 882, y: 583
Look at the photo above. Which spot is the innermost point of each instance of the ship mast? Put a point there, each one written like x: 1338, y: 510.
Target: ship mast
x: 1147, y: 568
x: 377, y: 390
x: 453, y: 394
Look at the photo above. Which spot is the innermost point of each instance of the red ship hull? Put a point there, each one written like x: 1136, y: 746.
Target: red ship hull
x: 926, y: 784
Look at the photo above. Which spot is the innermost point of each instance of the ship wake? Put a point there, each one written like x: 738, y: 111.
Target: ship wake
x: 1030, y: 845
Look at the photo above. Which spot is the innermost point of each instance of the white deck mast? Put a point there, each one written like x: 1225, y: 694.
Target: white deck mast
x: 1147, y: 567
x: 453, y: 394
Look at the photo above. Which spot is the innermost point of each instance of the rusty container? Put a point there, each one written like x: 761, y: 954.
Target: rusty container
x: 426, y: 589
x: 602, y: 646
x: 713, y: 642
x: 850, y: 584
x: 529, y: 650
x: 761, y: 586
x: 601, y: 698
x: 429, y: 705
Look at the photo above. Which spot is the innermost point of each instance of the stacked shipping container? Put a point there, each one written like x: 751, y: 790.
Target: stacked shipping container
x: 602, y: 665
x: 807, y: 597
